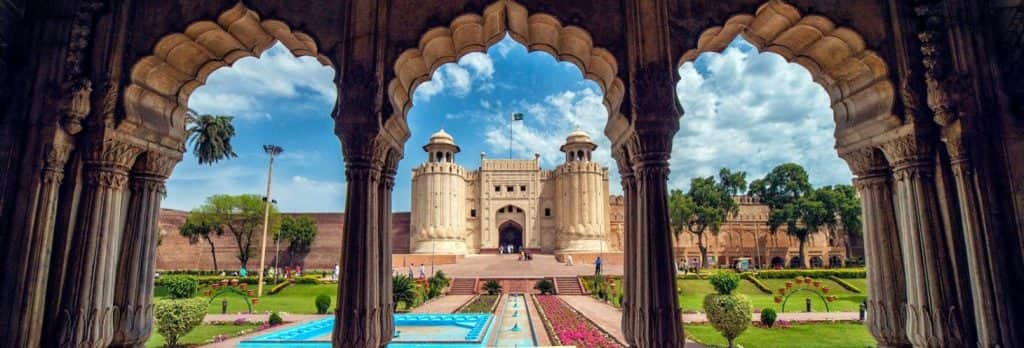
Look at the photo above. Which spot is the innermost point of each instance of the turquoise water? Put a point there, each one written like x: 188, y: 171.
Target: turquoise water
x: 413, y: 330
x: 514, y: 329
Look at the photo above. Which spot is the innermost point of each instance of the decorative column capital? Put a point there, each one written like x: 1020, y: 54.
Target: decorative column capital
x: 910, y: 150
x: 866, y: 162
x: 155, y: 165
x: 112, y: 153
x: 54, y: 157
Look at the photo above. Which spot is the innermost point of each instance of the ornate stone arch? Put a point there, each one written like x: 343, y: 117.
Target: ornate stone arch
x: 470, y: 33
x: 855, y: 78
x: 160, y: 84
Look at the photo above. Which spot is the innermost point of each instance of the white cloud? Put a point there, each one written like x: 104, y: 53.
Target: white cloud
x: 192, y: 183
x: 275, y: 74
x: 751, y: 112
x: 458, y: 79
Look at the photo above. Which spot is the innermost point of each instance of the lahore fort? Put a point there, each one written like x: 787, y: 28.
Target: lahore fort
x: 515, y: 203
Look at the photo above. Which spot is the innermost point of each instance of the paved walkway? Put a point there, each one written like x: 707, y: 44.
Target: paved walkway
x: 292, y: 319
x: 508, y: 266
x: 444, y: 304
x: 604, y: 315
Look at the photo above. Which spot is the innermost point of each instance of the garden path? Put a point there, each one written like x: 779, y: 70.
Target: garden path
x: 443, y: 304
x: 788, y: 316
x: 492, y: 266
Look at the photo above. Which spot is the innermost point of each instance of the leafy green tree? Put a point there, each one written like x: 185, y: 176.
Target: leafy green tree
x: 728, y: 313
x: 240, y: 215
x: 706, y: 206
x: 198, y: 226
x: 793, y: 203
x: 492, y: 287
x: 300, y: 231
x: 210, y: 137
x: 843, y: 201
x: 403, y: 289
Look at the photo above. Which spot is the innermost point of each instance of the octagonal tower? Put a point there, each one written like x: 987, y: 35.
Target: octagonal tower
x: 438, y: 221
x: 581, y: 198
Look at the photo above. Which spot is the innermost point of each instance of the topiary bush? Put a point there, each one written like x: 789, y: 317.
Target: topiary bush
x: 768, y: 317
x: 177, y: 317
x: 546, y: 287
x: 725, y: 282
x: 493, y: 287
x: 181, y: 286
x: 322, y: 303
x: 728, y: 313
x: 275, y: 319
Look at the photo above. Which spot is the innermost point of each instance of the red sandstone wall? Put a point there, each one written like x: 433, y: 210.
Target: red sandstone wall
x: 175, y: 252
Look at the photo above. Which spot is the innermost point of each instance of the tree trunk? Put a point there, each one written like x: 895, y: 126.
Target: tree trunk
x: 213, y: 253
x: 703, y: 251
x: 803, y: 253
x: 758, y: 261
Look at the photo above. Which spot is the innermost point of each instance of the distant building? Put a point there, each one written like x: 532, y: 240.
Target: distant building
x: 514, y: 202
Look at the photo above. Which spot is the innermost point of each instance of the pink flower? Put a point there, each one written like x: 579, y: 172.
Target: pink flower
x: 570, y: 327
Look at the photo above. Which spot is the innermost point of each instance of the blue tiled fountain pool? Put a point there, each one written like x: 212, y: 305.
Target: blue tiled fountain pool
x: 412, y: 330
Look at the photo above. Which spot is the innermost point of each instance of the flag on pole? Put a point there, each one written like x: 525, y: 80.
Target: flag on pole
x: 517, y: 116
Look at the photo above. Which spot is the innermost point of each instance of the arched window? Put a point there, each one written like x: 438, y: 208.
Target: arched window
x: 440, y: 156
x: 448, y: 157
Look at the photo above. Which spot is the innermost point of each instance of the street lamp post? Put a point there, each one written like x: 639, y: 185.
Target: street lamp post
x: 272, y: 150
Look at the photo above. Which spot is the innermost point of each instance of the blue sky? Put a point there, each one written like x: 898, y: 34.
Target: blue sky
x: 744, y: 110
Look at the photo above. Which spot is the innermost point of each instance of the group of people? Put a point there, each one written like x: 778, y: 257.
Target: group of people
x: 508, y: 249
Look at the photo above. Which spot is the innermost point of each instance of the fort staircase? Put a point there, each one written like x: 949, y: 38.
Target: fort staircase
x: 568, y: 286
x: 462, y: 286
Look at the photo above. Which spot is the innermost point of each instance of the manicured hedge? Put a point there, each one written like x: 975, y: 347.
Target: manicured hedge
x: 277, y: 288
x: 844, y: 284
x: 757, y: 282
x: 251, y: 280
x: 846, y: 273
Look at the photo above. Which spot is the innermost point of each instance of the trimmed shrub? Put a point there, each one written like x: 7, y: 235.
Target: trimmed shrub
x: 322, y: 303
x: 176, y: 318
x: 306, y: 279
x: 275, y: 319
x: 277, y: 288
x: 546, y: 287
x: 725, y: 282
x: 757, y: 282
x: 845, y: 284
x: 848, y: 273
x: 768, y: 317
x: 493, y: 287
x: 728, y: 314
x: 181, y: 286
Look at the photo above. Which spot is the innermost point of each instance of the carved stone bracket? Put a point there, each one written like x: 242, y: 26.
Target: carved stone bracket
x: 910, y: 150
x: 945, y: 88
x: 866, y: 162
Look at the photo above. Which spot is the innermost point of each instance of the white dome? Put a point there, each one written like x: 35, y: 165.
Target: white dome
x: 442, y: 137
x: 577, y: 136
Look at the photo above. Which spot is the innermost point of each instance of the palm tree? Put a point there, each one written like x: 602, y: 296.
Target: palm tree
x: 403, y: 289
x: 492, y: 287
x: 210, y: 137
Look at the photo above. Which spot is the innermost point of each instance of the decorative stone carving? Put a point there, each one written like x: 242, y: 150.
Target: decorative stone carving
x: 75, y: 106
x: 907, y: 151
x: 945, y: 91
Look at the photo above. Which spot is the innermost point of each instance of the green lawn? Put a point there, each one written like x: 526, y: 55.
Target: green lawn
x: 832, y: 335
x: 295, y: 299
x: 693, y: 291
x: 201, y: 334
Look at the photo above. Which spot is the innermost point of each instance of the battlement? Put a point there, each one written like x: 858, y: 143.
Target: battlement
x: 440, y: 167
x: 592, y: 167
x: 510, y: 164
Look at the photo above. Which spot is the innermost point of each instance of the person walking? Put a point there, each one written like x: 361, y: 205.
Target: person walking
x: 337, y: 270
x: 423, y: 271
x: 597, y: 266
x: 411, y: 274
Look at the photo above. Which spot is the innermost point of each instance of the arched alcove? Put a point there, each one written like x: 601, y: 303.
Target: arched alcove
x: 855, y: 78
x: 161, y: 83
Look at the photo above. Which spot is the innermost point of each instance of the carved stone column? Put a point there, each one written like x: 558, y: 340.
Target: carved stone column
x: 87, y: 303
x: 629, y: 313
x: 133, y: 295
x: 933, y: 317
x: 654, y: 305
x: 387, y: 184
x: 357, y: 320
x: 886, y: 287
x: 987, y: 279
x: 23, y: 313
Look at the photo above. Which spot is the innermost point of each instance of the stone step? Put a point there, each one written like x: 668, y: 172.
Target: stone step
x: 462, y: 286
x: 568, y: 286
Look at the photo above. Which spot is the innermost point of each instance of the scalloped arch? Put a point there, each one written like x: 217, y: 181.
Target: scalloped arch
x: 161, y: 83
x: 475, y: 33
x: 855, y: 78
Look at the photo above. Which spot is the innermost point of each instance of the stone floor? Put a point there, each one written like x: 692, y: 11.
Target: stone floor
x: 482, y: 266
x: 607, y: 317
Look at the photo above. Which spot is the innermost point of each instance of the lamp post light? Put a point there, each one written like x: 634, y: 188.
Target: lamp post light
x: 272, y: 150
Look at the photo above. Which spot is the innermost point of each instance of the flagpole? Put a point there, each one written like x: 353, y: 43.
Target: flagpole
x: 510, y: 121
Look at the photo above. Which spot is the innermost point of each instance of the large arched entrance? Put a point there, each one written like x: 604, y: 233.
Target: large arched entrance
x: 510, y: 234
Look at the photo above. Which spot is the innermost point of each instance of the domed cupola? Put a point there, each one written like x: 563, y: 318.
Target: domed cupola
x: 441, y: 147
x: 578, y: 146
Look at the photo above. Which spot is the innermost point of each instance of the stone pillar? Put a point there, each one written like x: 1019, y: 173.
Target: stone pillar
x: 982, y: 246
x: 629, y: 313
x: 357, y: 320
x: 657, y: 321
x: 933, y: 316
x: 23, y: 314
x: 87, y: 302
x: 886, y: 287
x: 133, y: 295
x: 387, y: 184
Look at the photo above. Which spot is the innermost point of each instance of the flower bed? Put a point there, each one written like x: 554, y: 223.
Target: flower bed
x: 480, y: 304
x: 569, y: 327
